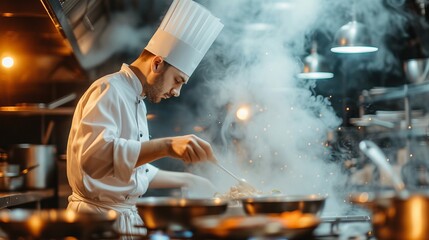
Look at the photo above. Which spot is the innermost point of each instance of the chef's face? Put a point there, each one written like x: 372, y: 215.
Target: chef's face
x: 167, y: 82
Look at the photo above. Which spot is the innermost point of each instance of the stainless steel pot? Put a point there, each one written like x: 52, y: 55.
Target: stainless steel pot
x: 27, y: 155
x: 395, y: 218
x: 417, y: 70
x: 56, y: 224
x: 11, y: 177
x: 313, y: 204
x: 172, y: 213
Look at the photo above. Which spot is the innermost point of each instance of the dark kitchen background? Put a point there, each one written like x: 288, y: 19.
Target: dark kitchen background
x: 61, y: 46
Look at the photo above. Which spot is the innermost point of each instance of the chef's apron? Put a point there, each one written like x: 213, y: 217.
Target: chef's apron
x: 128, y: 216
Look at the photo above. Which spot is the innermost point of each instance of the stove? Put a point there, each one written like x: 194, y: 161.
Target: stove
x: 331, y: 228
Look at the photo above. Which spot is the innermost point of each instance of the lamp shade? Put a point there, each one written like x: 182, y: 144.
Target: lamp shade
x: 353, y: 37
x: 315, y: 67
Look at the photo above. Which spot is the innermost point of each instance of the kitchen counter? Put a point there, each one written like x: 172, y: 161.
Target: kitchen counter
x: 8, y: 199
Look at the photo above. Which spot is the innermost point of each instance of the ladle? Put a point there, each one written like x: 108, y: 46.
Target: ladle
x: 373, y: 152
x: 241, y: 181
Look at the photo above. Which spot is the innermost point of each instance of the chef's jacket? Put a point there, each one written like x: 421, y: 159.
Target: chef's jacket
x: 108, y: 127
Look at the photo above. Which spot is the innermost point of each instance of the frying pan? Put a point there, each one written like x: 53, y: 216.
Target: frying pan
x: 313, y: 204
x: 55, y: 224
x: 162, y: 213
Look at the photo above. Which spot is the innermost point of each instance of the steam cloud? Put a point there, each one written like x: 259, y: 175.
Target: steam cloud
x: 254, y: 62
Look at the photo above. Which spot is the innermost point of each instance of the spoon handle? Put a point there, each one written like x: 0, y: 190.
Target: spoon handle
x: 227, y: 171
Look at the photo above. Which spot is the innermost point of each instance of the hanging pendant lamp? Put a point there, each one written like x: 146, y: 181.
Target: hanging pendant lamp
x: 315, y: 66
x: 353, y: 37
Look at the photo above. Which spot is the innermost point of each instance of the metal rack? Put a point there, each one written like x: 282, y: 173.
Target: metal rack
x: 31, y: 111
x: 393, y: 93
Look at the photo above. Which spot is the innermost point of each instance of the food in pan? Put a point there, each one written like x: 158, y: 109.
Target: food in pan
x: 238, y: 191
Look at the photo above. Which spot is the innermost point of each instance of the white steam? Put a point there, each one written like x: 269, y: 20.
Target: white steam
x: 256, y: 58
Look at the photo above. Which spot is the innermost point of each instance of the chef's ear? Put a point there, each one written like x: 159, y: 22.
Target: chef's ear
x: 158, y: 64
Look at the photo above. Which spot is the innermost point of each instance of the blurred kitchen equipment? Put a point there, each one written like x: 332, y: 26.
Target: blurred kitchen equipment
x: 163, y: 213
x: 396, y: 218
x: 27, y: 155
x: 313, y: 204
x: 11, y: 177
x: 241, y: 181
x: 416, y: 70
x: 52, y: 105
x: 315, y: 66
x: 373, y: 152
x: 249, y: 227
x: 56, y: 224
x: 371, y: 120
x: 47, y: 135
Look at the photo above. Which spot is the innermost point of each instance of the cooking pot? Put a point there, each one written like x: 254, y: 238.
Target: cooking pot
x: 395, y: 218
x: 11, y: 178
x: 163, y: 213
x: 56, y: 224
x: 27, y: 155
x: 277, y: 204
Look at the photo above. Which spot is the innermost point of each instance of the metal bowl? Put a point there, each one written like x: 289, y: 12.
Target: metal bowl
x: 56, y: 224
x: 165, y: 213
x: 277, y: 204
x: 416, y: 70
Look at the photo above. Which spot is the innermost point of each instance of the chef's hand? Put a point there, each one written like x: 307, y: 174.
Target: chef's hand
x: 190, y: 149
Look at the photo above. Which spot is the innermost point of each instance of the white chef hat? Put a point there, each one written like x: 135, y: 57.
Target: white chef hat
x: 185, y: 35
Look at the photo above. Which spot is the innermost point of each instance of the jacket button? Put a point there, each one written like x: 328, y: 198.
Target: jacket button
x: 147, y: 170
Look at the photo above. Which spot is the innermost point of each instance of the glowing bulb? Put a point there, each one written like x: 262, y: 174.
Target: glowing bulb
x: 243, y: 113
x: 7, y: 62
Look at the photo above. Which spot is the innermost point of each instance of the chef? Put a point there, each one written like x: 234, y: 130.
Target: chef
x: 109, y: 151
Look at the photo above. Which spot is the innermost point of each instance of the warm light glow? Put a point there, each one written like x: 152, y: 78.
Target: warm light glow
x: 354, y: 49
x: 70, y: 216
x: 198, y: 129
x: 150, y: 116
x: 7, y: 62
x: 243, y: 113
x: 35, y: 225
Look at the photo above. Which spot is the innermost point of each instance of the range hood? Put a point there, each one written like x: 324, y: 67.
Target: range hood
x: 81, y: 23
x: 50, y: 40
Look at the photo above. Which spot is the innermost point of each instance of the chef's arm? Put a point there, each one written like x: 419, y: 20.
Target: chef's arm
x: 168, y: 179
x: 188, y: 148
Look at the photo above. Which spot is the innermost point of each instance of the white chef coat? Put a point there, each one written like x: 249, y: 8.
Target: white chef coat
x: 108, y: 127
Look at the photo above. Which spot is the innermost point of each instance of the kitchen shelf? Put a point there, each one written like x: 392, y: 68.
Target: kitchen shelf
x: 31, y: 111
x: 8, y: 199
x: 383, y: 94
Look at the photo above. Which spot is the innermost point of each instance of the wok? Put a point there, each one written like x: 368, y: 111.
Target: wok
x: 163, y: 213
x: 55, y: 224
x: 313, y: 204
x: 394, y: 217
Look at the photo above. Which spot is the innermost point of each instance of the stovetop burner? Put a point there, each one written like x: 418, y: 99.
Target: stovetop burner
x: 330, y: 228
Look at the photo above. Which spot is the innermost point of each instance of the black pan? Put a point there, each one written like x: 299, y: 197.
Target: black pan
x: 55, y: 224
x: 166, y: 212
